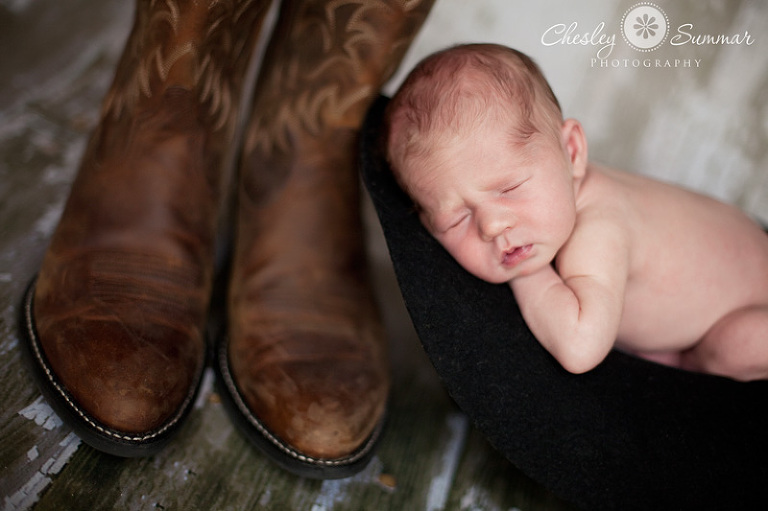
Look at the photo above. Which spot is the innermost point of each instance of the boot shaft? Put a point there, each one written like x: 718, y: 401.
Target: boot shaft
x: 201, y: 46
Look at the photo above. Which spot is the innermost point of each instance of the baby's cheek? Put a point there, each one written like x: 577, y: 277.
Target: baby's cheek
x: 472, y: 260
x: 454, y: 249
x: 469, y: 255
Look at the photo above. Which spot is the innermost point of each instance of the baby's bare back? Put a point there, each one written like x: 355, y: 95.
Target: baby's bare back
x: 693, y: 260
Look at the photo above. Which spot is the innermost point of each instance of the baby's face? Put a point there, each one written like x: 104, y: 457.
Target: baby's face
x: 501, y: 210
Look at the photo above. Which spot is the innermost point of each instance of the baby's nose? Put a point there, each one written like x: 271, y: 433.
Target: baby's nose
x: 492, y: 224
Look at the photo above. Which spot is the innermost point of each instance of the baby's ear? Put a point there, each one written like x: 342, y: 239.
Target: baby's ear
x: 575, y: 143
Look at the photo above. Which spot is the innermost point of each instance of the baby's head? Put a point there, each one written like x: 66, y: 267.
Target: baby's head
x: 476, y: 137
x: 451, y: 93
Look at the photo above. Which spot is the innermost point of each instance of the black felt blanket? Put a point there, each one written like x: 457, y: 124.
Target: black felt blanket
x: 630, y: 434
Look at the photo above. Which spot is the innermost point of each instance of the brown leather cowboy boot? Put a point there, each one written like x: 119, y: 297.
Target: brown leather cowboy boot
x: 305, y: 366
x: 116, y: 317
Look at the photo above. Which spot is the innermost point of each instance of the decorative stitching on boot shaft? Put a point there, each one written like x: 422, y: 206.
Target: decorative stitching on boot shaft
x: 329, y: 60
x: 211, y: 62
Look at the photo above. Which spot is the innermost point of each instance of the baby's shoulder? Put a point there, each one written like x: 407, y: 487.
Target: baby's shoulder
x: 603, y: 208
x: 605, y: 193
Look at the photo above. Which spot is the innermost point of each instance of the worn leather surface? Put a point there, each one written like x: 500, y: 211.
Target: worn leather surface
x: 306, y: 346
x: 121, y: 299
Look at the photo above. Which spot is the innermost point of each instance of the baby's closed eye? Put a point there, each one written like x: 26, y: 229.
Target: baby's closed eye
x: 513, y: 186
x: 455, y: 222
x: 441, y: 224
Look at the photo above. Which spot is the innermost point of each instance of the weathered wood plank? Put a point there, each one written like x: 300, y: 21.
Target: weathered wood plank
x: 487, y: 481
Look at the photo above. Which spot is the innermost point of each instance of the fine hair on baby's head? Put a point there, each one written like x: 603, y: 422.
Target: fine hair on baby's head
x: 452, y: 93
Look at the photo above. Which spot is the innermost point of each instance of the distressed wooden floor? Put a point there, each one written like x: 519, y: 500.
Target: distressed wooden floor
x: 704, y: 127
x: 57, y: 60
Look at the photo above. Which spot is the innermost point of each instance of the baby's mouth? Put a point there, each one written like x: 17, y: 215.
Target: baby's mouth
x: 515, y: 256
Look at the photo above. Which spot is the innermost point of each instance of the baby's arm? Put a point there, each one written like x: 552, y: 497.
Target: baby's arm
x: 575, y: 314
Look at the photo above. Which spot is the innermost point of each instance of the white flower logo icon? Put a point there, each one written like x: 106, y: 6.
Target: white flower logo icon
x: 645, y: 26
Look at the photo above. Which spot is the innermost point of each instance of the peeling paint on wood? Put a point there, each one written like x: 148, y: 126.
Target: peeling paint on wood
x: 440, y: 487
x: 29, y: 492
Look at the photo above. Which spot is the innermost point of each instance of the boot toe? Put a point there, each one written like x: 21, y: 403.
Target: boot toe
x: 114, y: 380
x: 314, y: 402
x: 127, y: 383
x: 324, y: 409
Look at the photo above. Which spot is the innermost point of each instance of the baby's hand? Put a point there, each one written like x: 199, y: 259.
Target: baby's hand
x: 575, y: 320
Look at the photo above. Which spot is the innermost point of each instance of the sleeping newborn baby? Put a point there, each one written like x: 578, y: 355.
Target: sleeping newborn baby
x: 597, y: 258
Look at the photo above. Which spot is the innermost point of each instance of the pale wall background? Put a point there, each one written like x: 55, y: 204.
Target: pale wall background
x: 705, y: 127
